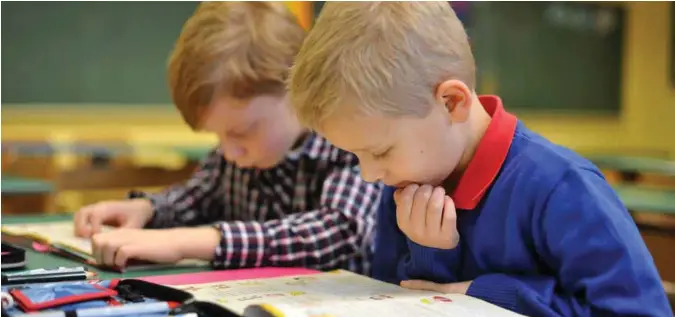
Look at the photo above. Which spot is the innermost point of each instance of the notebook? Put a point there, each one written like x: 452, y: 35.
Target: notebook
x: 335, y: 294
x: 60, y: 239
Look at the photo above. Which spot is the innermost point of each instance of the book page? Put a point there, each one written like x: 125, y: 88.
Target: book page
x: 338, y: 294
x: 63, y: 233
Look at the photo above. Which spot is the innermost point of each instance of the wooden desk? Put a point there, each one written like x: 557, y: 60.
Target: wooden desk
x: 633, y: 169
x: 654, y: 212
x: 26, y: 195
x: 193, y: 154
x: 632, y: 164
x: 647, y: 199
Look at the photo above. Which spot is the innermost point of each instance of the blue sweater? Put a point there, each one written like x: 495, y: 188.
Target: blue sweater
x: 546, y: 237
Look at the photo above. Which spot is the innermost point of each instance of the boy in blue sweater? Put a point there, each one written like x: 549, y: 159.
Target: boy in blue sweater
x: 477, y: 203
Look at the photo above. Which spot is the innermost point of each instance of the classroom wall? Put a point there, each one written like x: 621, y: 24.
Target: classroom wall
x: 645, y: 123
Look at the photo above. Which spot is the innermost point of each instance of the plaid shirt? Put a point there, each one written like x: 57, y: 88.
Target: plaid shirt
x: 313, y: 209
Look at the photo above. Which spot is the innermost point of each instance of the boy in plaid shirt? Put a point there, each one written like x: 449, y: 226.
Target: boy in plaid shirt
x: 278, y: 194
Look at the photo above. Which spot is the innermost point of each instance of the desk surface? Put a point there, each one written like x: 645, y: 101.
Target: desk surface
x: 634, y: 197
x: 36, y: 260
x: 647, y: 199
x: 634, y: 164
x: 19, y: 185
x: 193, y: 153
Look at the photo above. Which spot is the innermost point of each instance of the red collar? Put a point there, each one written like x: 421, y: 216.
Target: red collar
x: 489, y: 156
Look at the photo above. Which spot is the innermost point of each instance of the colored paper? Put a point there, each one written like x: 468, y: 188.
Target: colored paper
x: 227, y: 275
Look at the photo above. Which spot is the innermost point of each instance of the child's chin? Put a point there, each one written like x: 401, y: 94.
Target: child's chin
x: 264, y: 164
x: 402, y: 184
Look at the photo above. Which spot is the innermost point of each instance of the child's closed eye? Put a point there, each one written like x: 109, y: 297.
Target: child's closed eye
x: 382, y: 154
x: 242, y: 132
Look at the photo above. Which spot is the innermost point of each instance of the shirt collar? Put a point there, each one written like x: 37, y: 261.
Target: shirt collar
x: 489, y: 156
x: 303, y: 146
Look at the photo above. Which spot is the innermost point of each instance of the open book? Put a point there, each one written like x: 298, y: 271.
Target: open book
x: 60, y: 238
x: 336, y: 294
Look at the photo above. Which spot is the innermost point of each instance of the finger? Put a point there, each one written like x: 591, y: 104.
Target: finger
x: 397, y: 196
x: 126, y: 253
x: 80, y: 222
x: 96, y: 247
x: 129, y: 224
x: 419, y: 206
x: 434, y: 213
x: 142, y: 251
x: 94, y: 220
x: 108, y: 252
x: 449, y: 222
x: 404, y: 205
x: 427, y: 286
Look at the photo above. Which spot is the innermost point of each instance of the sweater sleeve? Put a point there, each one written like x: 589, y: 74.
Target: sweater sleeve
x: 390, y: 244
x: 599, y: 263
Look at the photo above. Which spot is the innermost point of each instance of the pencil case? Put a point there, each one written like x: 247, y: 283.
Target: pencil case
x: 68, y: 296
x: 36, y: 297
x: 12, y: 257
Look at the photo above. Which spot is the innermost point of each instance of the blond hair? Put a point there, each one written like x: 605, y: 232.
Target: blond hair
x: 381, y: 57
x: 235, y: 49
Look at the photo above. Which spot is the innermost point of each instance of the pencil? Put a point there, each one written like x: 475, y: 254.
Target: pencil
x: 47, y: 278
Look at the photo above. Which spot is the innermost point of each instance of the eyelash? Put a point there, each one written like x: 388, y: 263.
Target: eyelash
x: 241, y: 133
x: 381, y: 155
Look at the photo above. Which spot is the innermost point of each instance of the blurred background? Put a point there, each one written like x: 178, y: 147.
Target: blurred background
x: 86, y: 113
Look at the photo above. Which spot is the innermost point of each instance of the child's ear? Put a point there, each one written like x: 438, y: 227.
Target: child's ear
x: 456, y: 97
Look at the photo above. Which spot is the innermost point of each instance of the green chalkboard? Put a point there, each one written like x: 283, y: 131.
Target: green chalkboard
x: 550, y: 56
x: 546, y: 56
x: 88, y: 52
x: 672, y: 43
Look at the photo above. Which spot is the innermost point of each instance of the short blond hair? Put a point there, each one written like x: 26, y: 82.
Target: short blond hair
x: 381, y: 57
x: 235, y: 49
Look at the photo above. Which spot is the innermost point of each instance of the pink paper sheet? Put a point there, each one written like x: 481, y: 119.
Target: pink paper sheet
x: 226, y: 275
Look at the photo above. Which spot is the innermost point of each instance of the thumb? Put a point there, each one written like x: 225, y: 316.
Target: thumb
x: 95, y: 221
x: 132, y: 223
x: 133, y: 219
x: 449, y: 214
x: 425, y: 286
x: 397, y: 194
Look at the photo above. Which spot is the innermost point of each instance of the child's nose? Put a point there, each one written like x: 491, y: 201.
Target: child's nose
x: 232, y: 152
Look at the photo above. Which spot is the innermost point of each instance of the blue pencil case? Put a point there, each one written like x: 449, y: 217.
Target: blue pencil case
x: 36, y: 297
x: 74, y: 295
x: 78, y: 295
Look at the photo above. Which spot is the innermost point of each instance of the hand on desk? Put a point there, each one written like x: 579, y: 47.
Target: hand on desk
x: 116, y: 248
x: 450, y: 288
x: 124, y: 214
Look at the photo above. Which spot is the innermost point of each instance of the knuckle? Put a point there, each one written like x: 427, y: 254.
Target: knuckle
x: 99, y: 240
x: 123, y: 252
x: 425, y: 191
x: 436, y: 204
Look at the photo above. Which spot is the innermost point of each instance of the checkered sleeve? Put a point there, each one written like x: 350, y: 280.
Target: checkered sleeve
x: 325, y: 238
x: 195, y: 202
